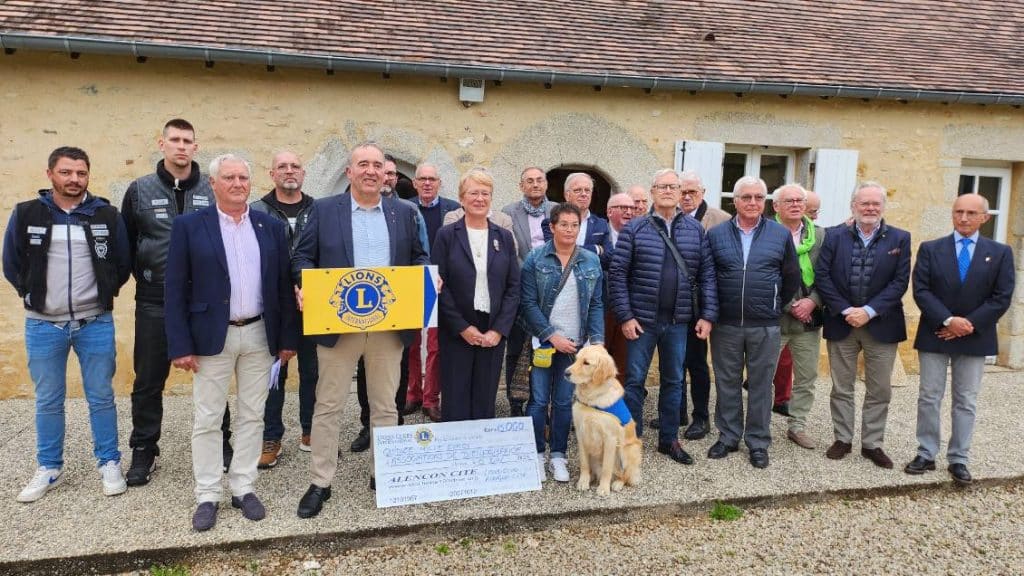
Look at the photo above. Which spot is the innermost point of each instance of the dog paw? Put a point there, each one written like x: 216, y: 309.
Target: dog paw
x: 603, y: 490
x: 617, y: 486
x: 583, y: 485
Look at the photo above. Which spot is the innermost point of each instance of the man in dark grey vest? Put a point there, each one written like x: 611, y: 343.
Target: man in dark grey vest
x: 150, y: 205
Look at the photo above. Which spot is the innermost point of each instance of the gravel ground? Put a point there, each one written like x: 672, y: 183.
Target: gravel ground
x: 933, y: 531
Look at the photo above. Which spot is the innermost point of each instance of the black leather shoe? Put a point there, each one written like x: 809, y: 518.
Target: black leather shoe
x: 412, y: 408
x: 655, y: 424
x: 675, y: 452
x: 720, y: 450
x: 919, y: 465
x: 313, y: 501
x: 838, y: 450
x: 697, y: 430
x: 960, y: 474
x: 515, y: 410
x: 373, y: 483
x: 759, y: 458
x: 878, y: 456
x: 362, y: 441
x: 782, y: 409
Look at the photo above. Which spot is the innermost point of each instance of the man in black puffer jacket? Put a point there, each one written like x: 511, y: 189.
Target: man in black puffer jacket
x: 758, y: 273
x: 653, y: 301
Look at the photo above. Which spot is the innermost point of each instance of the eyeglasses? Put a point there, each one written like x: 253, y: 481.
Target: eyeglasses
x: 582, y: 191
x: 751, y: 198
x: 690, y: 192
x: 390, y: 173
x: 664, y: 187
x: 537, y: 180
x: 969, y: 214
x: 283, y: 167
x: 792, y: 201
x: 623, y: 208
x: 567, y: 225
x: 427, y: 179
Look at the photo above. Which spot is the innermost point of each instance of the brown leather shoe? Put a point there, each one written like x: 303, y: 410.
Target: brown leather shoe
x: 801, y: 439
x: 838, y: 450
x: 269, y: 455
x: 433, y: 413
x: 877, y: 456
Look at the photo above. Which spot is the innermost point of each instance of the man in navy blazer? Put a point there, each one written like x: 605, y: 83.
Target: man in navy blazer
x: 230, y: 310
x: 862, y: 272
x: 358, y: 229
x: 963, y: 284
x: 595, y: 233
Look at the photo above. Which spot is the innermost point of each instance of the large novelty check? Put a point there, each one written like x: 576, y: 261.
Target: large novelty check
x: 420, y: 463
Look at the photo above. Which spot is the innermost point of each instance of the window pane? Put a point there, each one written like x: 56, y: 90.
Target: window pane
x: 733, y: 168
x: 988, y: 186
x: 773, y: 172
x: 988, y: 229
x: 966, y: 185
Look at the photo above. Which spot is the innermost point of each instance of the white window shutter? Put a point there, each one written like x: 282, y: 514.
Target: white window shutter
x: 835, y: 175
x: 704, y: 158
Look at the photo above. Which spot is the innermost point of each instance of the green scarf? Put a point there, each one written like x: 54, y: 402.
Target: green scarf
x: 803, y: 251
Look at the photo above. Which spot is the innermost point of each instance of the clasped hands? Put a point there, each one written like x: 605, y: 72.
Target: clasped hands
x: 474, y: 337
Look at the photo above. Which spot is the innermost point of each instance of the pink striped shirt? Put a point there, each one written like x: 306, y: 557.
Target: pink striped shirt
x: 243, y: 256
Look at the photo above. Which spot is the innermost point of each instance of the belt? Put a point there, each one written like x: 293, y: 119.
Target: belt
x: 246, y: 321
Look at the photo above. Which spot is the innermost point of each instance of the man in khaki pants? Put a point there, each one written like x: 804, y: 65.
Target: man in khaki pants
x: 357, y: 229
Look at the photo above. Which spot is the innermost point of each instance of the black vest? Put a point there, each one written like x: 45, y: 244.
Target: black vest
x: 861, y: 268
x: 34, y: 217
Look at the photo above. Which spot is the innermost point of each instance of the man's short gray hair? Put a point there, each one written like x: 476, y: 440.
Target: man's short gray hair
x: 691, y: 176
x: 575, y: 175
x: 868, y: 184
x: 365, y: 144
x: 423, y: 165
x: 747, y: 182
x: 216, y: 162
x: 790, y: 186
x: 664, y: 171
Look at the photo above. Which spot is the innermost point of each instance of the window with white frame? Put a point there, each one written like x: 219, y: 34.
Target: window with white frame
x: 994, y: 184
x: 720, y: 165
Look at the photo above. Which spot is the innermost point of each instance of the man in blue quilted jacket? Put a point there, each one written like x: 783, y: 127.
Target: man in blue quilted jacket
x: 661, y: 264
x: 758, y: 273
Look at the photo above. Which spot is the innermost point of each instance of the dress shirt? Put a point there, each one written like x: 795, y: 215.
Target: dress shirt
x: 536, y: 232
x: 478, y: 246
x: 957, y: 246
x: 243, y: 257
x: 371, y: 241
x: 746, y: 238
x: 581, y: 238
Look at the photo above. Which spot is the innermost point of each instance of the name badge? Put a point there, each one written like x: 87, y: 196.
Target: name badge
x: 161, y: 215
x: 198, y: 201
x: 35, y: 241
x: 99, y: 230
x: 37, y: 229
x: 160, y: 202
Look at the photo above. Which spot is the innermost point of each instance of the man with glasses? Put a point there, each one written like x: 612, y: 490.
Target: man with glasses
x: 527, y: 214
x: 659, y: 260
x: 861, y: 274
x: 692, y: 203
x: 595, y: 234
x: 963, y: 284
x: 758, y: 272
x: 801, y: 322
x: 425, y: 390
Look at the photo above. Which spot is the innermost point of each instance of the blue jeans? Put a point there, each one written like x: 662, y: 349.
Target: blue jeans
x: 48, y: 345
x: 273, y: 424
x: 550, y: 386
x: 670, y: 339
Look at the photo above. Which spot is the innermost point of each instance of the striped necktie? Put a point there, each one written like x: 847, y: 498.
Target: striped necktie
x: 964, y: 259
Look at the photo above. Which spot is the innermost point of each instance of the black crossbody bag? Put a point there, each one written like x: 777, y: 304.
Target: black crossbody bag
x: 695, y: 295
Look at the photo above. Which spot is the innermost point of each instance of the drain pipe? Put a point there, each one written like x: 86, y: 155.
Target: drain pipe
x: 141, y: 51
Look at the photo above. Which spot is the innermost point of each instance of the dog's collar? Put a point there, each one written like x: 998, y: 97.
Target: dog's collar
x: 619, y: 410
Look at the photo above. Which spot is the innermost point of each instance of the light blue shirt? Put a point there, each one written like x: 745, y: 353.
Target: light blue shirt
x: 866, y: 238
x: 746, y: 238
x: 957, y: 246
x: 371, y: 241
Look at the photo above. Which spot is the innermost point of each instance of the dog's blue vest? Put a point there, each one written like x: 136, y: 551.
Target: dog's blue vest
x: 620, y: 411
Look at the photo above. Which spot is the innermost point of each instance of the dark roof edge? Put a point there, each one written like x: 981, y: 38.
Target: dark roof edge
x: 78, y: 45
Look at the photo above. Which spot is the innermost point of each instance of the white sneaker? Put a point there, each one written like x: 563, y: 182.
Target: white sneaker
x: 44, y: 479
x: 541, y: 468
x: 113, y: 479
x: 560, y: 469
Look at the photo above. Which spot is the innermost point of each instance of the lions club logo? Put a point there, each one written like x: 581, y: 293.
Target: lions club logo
x: 424, y: 436
x: 362, y: 298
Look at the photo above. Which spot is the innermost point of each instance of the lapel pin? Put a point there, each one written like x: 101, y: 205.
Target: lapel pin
x: 988, y: 258
x: 496, y: 247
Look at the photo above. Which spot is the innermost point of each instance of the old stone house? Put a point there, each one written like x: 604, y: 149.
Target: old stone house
x: 920, y: 96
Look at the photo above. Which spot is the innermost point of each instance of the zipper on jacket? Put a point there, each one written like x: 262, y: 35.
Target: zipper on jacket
x: 743, y: 295
x: 71, y: 310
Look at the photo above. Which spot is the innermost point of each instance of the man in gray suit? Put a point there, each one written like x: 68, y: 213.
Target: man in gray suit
x: 527, y: 215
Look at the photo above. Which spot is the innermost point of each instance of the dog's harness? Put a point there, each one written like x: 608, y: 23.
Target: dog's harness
x: 619, y: 410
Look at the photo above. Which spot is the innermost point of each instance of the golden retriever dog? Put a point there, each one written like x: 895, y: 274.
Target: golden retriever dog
x: 606, y: 434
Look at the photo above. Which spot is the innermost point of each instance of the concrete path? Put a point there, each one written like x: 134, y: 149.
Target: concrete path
x: 75, y: 529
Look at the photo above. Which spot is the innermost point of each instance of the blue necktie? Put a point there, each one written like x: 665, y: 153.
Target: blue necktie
x: 964, y: 260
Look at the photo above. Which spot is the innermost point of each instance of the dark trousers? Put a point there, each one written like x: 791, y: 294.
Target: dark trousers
x: 273, y: 424
x: 784, y: 377
x: 403, y: 388
x: 151, y: 369
x: 469, y: 375
x: 696, y: 365
x: 514, y: 346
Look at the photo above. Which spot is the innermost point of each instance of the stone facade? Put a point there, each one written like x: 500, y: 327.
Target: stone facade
x: 114, y: 108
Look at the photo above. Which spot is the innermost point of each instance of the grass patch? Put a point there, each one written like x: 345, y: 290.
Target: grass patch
x: 727, y: 512
x: 443, y: 549
x: 509, y: 546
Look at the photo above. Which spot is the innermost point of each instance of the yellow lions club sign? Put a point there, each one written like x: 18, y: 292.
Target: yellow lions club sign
x: 344, y: 300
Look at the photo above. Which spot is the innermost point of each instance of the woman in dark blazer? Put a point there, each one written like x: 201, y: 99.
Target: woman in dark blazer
x: 478, y: 302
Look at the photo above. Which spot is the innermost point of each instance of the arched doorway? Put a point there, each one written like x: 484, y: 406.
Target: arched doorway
x: 602, y: 188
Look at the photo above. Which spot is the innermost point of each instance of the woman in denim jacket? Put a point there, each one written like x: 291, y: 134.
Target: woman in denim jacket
x: 561, y: 320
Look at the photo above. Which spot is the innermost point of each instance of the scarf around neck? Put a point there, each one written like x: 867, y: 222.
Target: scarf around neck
x: 803, y: 252
x: 531, y: 210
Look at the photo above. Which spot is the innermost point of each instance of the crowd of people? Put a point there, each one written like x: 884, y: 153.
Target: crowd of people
x: 219, y: 293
